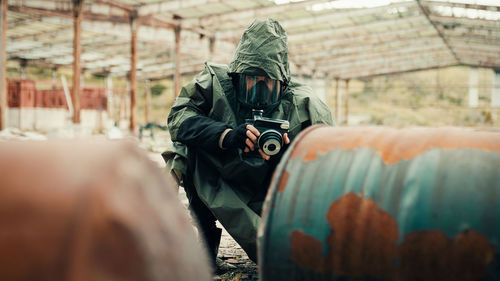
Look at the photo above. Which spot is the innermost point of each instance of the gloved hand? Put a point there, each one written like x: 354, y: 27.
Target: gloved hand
x: 236, y: 137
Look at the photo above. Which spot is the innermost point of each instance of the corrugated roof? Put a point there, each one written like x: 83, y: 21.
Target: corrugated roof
x: 342, y: 39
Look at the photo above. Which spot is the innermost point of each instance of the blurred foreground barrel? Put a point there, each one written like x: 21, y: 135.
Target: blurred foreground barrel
x: 384, y: 204
x: 91, y: 211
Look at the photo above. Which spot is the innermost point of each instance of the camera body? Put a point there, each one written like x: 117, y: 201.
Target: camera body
x: 271, y: 132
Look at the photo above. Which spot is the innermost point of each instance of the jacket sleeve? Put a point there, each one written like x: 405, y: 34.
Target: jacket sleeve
x: 201, y: 131
x: 193, y: 100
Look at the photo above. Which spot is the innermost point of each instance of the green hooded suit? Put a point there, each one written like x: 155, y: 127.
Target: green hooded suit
x: 232, y: 183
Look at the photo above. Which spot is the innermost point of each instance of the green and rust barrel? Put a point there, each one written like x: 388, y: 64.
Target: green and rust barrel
x: 384, y: 204
x: 92, y: 210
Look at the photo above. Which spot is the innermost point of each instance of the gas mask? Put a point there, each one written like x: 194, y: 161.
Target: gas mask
x: 258, y: 92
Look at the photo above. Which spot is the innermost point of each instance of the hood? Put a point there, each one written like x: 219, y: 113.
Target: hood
x: 263, y: 50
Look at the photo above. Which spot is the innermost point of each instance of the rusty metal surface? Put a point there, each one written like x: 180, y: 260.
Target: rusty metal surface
x: 75, y: 210
x: 384, y: 204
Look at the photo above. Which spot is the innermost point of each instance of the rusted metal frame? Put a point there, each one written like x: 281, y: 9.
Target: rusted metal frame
x: 41, y: 34
x: 77, y: 48
x: 116, y: 4
x: 133, y: 71
x: 124, y: 19
x: 481, y: 64
x: 67, y: 14
x: 391, y: 65
x: 463, y: 5
x: 466, y: 22
x: 284, y: 9
x: 321, y: 34
x: 334, y: 14
x: 377, y: 48
x: 177, y: 76
x: 162, y: 74
x: 342, y: 41
x: 427, y: 15
x: 377, y: 57
x: 211, y: 48
x: 474, y: 39
x: 478, y: 47
x: 337, y: 100
x: 3, y: 64
x: 258, y: 11
x: 148, y: 100
x: 363, y: 73
x: 346, y: 110
x: 411, y: 58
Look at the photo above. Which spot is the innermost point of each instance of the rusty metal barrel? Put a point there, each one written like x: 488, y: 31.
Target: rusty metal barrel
x: 384, y: 204
x: 92, y: 210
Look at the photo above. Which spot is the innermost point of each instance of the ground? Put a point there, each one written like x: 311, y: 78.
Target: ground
x: 231, y: 252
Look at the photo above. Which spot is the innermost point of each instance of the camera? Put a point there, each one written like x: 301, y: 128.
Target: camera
x: 271, y: 132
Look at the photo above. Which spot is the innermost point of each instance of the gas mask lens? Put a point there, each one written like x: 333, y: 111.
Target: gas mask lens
x: 258, y: 91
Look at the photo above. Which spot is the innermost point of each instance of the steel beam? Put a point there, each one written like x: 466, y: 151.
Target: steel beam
x: 346, y: 111
x: 445, y: 41
x: 177, y: 77
x: 77, y: 49
x: 133, y: 71
x: 148, y: 99
x: 3, y: 64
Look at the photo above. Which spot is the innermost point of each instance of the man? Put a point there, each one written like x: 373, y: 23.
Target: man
x: 214, y: 151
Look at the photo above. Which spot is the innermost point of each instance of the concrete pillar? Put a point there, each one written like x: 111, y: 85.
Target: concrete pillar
x: 338, y: 101
x: 495, y: 91
x: 473, y: 87
x: 109, y: 94
x: 23, y: 64
x: 3, y: 64
x: 177, y: 75
x: 148, y: 99
x: 133, y: 70
x: 211, y: 48
x: 346, y: 110
x: 77, y: 49
x: 54, y: 77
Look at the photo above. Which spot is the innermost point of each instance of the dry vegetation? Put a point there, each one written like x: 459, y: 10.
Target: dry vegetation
x: 426, y: 98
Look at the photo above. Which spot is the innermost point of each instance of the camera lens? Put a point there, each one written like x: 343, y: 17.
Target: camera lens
x: 270, y: 142
x: 271, y: 147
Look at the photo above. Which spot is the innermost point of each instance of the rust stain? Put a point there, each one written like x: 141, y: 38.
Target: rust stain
x: 391, y: 144
x: 431, y: 255
x: 306, y: 251
x: 363, y: 239
x: 283, y: 181
x: 363, y: 244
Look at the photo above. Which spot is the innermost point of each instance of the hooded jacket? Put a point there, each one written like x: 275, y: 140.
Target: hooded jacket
x: 230, y: 182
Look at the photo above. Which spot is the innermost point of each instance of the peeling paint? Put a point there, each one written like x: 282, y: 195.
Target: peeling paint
x: 409, y: 204
x: 283, y: 181
x: 362, y: 244
x: 393, y: 145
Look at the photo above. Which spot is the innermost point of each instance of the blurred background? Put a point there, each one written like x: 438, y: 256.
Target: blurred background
x: 101, y: 64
